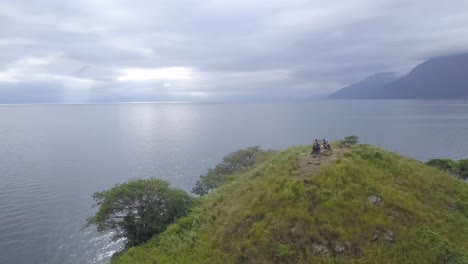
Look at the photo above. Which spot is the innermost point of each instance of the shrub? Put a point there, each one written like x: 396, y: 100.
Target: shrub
x: 456, y: 168
x: 232, y: 163
x: 349, y: 141
x: 139, y: 209
x: 462, y: 167
x: 442, y: 164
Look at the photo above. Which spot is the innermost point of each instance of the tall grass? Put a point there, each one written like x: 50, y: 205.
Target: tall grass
x: 273, y: 214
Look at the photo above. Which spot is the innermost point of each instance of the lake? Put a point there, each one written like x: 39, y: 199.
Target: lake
x: 53, y: 157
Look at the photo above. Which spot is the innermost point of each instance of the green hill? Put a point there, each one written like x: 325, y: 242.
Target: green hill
x: 358, y: 205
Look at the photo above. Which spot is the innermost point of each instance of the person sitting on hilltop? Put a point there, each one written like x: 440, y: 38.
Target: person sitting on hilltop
x: 326, y: 145
x: 315, y: 147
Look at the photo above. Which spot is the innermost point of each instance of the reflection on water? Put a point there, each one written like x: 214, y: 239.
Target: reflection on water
x: 53, y: 157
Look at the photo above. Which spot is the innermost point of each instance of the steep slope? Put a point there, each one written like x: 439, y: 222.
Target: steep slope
x: 437, y: 78
x: 366, y: 89
x: 363, y: 205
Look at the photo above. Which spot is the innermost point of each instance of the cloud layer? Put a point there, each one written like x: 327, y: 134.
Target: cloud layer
x: 80, y: 51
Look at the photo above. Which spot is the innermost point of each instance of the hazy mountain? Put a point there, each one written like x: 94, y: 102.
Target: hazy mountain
x: 437, y: 78
x: 443, y: 77
x: 366, y: 89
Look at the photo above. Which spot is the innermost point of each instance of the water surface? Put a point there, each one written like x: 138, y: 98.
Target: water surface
x: 53, y: 157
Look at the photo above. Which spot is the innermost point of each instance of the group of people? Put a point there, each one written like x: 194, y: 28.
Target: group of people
x: 316, y: 146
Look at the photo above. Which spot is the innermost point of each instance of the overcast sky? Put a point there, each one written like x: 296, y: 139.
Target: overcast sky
x: 112, y: 50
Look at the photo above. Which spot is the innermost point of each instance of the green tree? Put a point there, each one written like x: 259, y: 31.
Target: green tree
x: 447, y: 165
x: 349, y: 141
x: 456, y: 168
x: 462, y: 167
x: 139, y: 209
x: 232, y: 163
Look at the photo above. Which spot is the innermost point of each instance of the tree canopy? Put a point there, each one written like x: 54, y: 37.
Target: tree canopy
x: 139, y: 209
x: 457, y: 168
x: 349, y: 140
x: 232, y: 163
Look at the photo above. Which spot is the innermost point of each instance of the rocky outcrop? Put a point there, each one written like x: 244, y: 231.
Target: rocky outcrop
x: 375, y: 200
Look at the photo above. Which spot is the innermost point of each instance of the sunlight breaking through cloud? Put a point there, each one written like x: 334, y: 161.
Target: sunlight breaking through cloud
x: 167, y: 73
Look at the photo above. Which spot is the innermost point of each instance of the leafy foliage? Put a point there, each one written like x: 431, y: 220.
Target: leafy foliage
x: 138, y: 209
x: 443, y: 164
x: 462, y: 167
x: 349, y: 141
x: 456, y: 168
x: 232, y: 163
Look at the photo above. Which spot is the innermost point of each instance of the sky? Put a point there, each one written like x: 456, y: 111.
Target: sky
x: 60, y: 51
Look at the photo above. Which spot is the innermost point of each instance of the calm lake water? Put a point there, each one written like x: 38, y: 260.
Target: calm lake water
x: 53, y: 157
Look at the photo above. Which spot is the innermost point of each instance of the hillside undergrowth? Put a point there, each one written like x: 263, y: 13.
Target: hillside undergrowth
x: 367, y: 206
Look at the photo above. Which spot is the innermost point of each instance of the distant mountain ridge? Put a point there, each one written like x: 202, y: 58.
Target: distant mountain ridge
x: 367, y: 88
x: 437, y: 78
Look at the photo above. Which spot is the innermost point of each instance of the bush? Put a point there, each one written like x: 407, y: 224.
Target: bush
x: 462, y: 167
x: 139, y: 209
x: 349, y: 141
x: 456, y: 168
x: 232, y: 163
x: 447, y: 165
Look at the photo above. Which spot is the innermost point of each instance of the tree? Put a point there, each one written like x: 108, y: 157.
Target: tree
x: 349, y: 141
x: 446, y: 165
x: 462, y: 167
x: 232, y: 163
x: 139, y: 209
x: 456, y: 168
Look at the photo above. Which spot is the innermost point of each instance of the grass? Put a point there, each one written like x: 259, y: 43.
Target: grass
x: 274, y: 213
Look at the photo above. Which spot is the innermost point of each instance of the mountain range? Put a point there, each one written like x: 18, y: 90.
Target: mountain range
x: 437, y: 78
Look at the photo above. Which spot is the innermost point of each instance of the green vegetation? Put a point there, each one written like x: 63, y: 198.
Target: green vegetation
x: 232, y: 163
x: 349, y: 141
x: 360, y: 205
x: 457, y: 168
x: 139, y: 209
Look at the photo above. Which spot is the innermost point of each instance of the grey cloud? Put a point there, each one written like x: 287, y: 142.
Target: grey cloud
x: 31, y: 93
x: 237, y: 49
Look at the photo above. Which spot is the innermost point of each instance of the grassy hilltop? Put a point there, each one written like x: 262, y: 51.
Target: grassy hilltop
x: 358, y: 205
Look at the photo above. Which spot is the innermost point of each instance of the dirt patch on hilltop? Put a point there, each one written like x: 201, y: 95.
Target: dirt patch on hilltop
x: 311, y: 164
